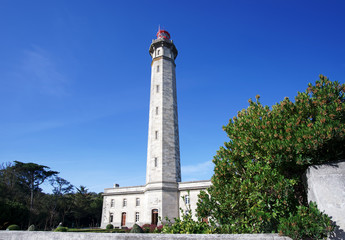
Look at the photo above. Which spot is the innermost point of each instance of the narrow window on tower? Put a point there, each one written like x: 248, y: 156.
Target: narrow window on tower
x: 155, y: 162
x: 158, y: 52
x: 157, y: 88
x: 157, y: 68
x: 156, y: 134
x: 156, y: 110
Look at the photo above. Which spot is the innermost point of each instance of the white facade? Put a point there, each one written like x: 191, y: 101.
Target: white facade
x: 162, y: 194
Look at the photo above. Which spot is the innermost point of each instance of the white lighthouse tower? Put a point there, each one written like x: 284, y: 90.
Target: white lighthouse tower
x: 163, y: 150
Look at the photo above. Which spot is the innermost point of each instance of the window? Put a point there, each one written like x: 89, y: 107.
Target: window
x: 157, y: 88
x: 137, y: 217
x: 158, y: 52
x: 112, y: 203
x: 137, y: 202
x: 156, y: 134
x: 124, y: 204
x: 111, y: 217
x: 156, y: 110
x: 155, y: 162
x: 158, y: 68
x: 186, y: 199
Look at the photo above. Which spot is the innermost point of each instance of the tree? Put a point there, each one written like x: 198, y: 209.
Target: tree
x: 258, y: 174
x: 31, y: 176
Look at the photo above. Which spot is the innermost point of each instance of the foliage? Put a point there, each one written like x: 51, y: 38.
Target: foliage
x: 21, y: 205
x: 187, y: 224
x: 31, y: 176
x: 61, y: 229
x: 31, y: 227
x: 13, y: 227
x: 158, y: 229
x: 257, y: 175
x: 12, y: 211
x: 152, y: 228
x: 109, y: 226
x: 136, y: 229
x: 308, y: 222
x: 97, y: 230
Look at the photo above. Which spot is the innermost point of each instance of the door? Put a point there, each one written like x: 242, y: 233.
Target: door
x: 123, y: 219
x: 154, y: 217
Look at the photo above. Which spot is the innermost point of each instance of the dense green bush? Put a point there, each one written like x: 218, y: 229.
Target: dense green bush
x: 13, y: 227
x: 187, y: 224
x: 136, y: 229
x: 61, y: 229
x: 109, y: 226
x: 258, y: 174
x: 307, y: 223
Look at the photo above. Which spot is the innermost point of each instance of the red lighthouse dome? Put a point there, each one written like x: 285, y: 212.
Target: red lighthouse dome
x: 163, y: 34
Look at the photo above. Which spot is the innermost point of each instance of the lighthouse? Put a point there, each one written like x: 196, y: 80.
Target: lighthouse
x: 161, y: 196
x: 163, y: 150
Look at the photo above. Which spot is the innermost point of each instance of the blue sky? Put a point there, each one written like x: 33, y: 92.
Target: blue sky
x: 75, y: 76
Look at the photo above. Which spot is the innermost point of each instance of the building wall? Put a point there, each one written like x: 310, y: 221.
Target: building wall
x: 166, y: 201
x: 191, y: 190
x: 118, y: 195
x: 326, y: 187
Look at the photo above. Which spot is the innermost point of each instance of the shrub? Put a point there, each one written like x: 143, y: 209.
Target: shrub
x: 136, y: 229
x: 31, y: 228
x: 187, y: 224
x: 13, y: 227
x: 158, y: 229
x: 258, y: 173
x: 109, y: 226
x: 307, y: 223
x: 61, y: 229
x: 149, y: 228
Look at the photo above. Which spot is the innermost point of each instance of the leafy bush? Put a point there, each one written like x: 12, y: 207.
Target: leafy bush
x: 31, y: 227
x: 258, y: 174
x: 187, y: 224
x: 109, y: 226
x: 95, y: 230
x: 149, y: 228
x: 136, y: 229
x: 308, y: 222
x: 61, y: 229
x: 158, y: 229
x: 13, y: 227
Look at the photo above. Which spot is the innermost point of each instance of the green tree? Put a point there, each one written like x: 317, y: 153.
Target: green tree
x: 257, y: 175
x: 31, y: 176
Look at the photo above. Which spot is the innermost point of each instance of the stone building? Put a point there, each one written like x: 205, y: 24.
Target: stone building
x: 161, y: 196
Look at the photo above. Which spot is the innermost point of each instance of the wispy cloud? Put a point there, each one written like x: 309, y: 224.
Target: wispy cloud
x: 201, y: 171
x: 39, y: 72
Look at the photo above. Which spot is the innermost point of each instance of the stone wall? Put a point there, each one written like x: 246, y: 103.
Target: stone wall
x: 18, y: 235
x: 326, y: 187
